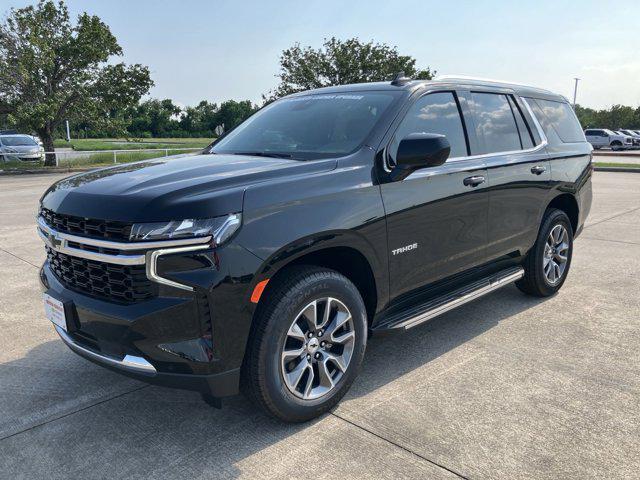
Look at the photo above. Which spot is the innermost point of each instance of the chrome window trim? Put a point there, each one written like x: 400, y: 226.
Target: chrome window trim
x: 537, y: 148
x: 543, y: 141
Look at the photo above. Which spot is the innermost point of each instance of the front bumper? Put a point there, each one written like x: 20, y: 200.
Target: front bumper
x: 164, y: 341
x: 23, y: 157
x: 217, y: 385
x: 191, y: 334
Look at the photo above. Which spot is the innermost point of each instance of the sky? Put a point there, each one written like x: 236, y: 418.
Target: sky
x: 218, y: 50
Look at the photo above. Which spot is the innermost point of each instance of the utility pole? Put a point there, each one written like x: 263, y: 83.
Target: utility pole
x: 68, y: 135
x: 575, y: 92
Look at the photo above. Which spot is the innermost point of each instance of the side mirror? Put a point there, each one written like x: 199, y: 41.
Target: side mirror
x: 420, y: 150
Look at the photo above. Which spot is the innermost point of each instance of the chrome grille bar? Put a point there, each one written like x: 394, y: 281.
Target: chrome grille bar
x: 143, y: 253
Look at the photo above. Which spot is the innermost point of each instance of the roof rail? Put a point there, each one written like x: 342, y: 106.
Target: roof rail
x: 487, y: 80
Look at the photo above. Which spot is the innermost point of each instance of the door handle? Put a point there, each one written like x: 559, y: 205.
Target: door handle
x: 473, y: 181
x: 538, y: 169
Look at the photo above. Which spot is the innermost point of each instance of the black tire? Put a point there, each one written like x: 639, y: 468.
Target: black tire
x: 535, y: 282
x: 616, y: 145
x: 262, y: 377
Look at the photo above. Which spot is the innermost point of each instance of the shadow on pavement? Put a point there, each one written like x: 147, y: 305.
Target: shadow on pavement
x: 153, y: 431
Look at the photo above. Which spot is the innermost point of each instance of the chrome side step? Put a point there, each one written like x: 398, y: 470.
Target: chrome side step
x: 437, y: 306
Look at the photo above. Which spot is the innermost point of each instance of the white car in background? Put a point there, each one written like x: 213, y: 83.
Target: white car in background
x: 635, y: 136
x: 602, y: 137
x: 20, y: 147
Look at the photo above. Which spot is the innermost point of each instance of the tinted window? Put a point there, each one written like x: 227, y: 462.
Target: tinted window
x: 495, y: 123
x: 560, y: 117
x: 309, y: 126
x: 434, y: 113
x: 18, y: 141
x: 523, y: 129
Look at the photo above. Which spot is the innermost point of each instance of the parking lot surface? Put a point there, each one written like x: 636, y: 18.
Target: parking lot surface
x: 505, y: 387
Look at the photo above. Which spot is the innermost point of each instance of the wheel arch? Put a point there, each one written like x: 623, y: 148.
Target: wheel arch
x: 568, y: 204
x: 344, y: 252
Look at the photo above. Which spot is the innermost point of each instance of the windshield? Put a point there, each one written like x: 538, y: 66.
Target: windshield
x: 309, y: 126
x: 17, y: 140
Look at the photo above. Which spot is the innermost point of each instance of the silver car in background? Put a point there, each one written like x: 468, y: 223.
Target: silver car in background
x: 602, y: 137
x: 20, y: 147
x: 635, y: 136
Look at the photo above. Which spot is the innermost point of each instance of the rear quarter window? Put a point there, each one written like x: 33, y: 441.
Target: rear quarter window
x: 558, y: 118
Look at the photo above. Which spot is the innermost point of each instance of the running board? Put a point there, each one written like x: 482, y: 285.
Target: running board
x: 412, y: 317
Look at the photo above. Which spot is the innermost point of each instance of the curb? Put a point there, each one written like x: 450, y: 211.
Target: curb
x: 617, y: 169
x: 616, y: 153
x: 44, y: 171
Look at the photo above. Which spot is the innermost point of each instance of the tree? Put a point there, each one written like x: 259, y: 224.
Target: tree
x: 51, y: 70
x: 341, y: 62
x: 233, y: 113
x: 202, y: 119
x: 613, y: 118
x: 156, y: 118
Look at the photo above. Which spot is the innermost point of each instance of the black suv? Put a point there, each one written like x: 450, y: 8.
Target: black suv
x: 264, y: 263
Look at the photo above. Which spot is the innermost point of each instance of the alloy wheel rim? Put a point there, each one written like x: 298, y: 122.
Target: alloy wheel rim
x: 556, y: 254
x: 318, y: 348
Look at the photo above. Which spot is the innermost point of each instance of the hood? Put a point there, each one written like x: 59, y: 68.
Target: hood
x: 162, y: 189
x: 21, y: 149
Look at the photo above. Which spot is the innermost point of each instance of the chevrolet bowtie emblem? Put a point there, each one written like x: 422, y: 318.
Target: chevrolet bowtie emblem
x: 55, y: 241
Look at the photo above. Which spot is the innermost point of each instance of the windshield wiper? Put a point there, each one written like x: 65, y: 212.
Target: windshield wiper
x: 265, y: 154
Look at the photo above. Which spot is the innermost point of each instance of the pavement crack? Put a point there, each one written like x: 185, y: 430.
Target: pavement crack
x: 609, y: 240
x: 86, y: 407
x: 19, y: 258
x: 610, y: 218
x: 421, y: 457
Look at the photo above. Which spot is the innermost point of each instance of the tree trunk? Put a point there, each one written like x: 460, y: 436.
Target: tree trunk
x: 47, y: 142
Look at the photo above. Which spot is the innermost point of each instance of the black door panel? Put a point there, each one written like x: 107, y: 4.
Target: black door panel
x: 516, y: 198
x: 446, y: 220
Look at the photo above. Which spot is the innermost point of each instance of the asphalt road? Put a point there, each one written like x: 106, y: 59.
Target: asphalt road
x: 505, y: 387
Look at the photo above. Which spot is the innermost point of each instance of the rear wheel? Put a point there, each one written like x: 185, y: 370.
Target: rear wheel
x: 547, y: 263
x: 307, y: 345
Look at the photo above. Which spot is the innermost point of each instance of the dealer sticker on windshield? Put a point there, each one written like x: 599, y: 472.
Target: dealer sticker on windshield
x: 54, y: 311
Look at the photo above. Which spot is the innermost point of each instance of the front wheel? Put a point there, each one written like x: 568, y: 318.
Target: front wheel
x: 547, y: 264
x: 307, y: 345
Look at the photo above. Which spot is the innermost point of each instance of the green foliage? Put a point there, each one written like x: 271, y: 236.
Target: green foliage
x: 341, y: 62
x: 202, y: 119
x: 52, y: 70
x: 132, y: 143
x: 618, y: 116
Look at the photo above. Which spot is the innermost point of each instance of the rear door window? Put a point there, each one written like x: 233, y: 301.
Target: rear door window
x: 495, y: 123
x: 526, y: 138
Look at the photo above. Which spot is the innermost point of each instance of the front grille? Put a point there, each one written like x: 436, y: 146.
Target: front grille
x: 119, y: 283
x: 87, y: 227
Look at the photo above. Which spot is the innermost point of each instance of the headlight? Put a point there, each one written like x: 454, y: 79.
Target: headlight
x: 220, y: 228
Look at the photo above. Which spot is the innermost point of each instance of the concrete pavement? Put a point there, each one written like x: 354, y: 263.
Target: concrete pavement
x: 505, y: 387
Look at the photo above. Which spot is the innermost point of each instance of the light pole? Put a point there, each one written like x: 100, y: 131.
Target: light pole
x: 575, y: 92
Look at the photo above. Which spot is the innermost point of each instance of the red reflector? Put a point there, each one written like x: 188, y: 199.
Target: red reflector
x: 257, y: 291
